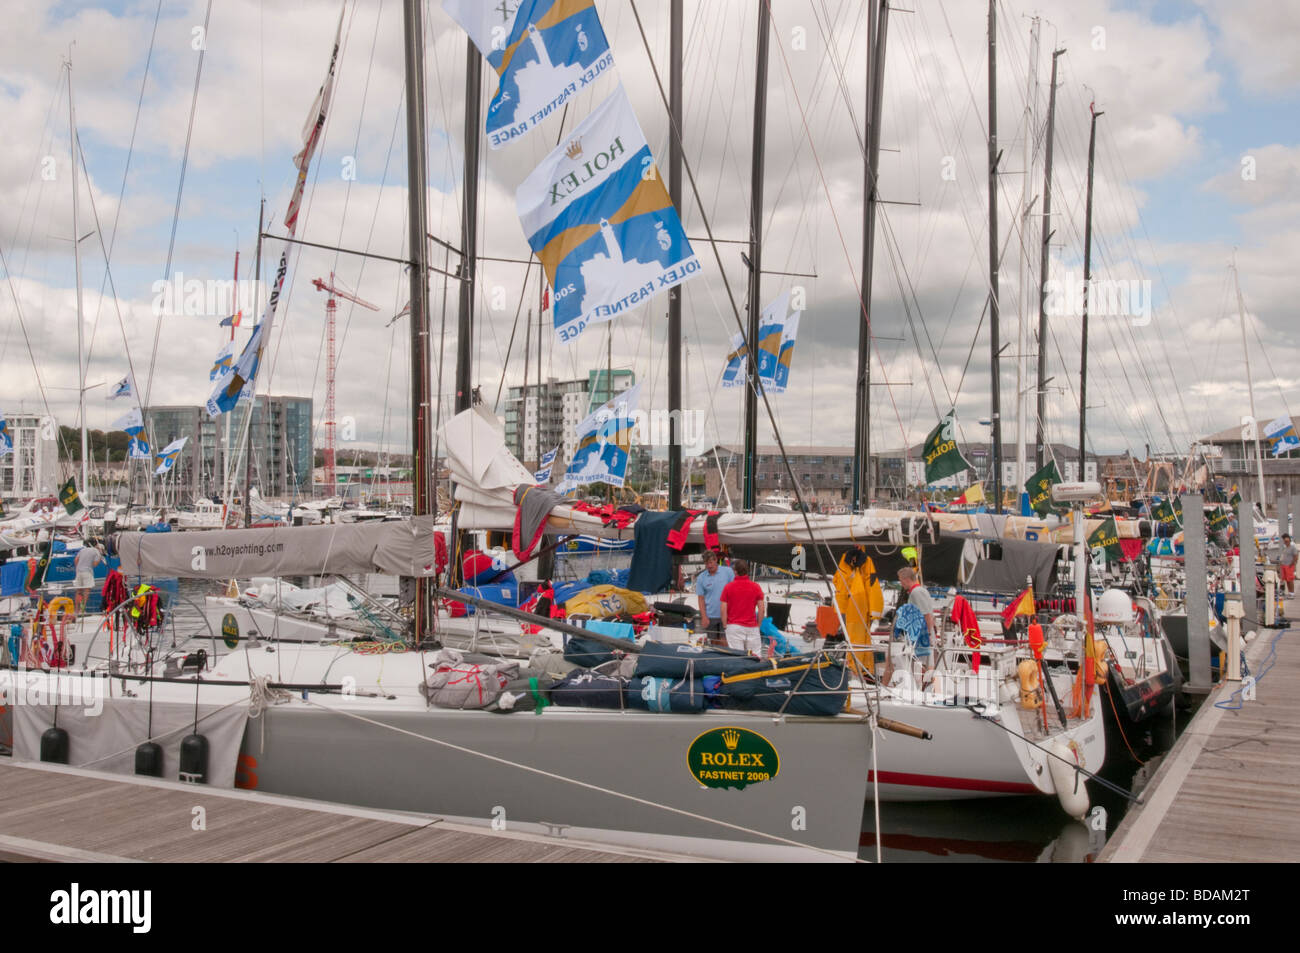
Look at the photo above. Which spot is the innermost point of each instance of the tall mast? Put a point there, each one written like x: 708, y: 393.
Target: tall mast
x: 76, y: 257
x: 877, y: 21
x: 755, y: 258
x: 675, y: 294
x: 252, y: 398
x: 1250, y: 384
x: 1026, y: 226
x: 469, y: 217
x: 417, y: 221
x: 995, y: 336
x: 1044, y: 261
x: 1087, y: 282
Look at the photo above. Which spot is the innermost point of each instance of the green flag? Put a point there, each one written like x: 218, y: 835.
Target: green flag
x: 942, y: 458
x: 69, y: 498
x: 1236, y: 497
x: 1168, y: 513
x: 1106, y: 537
x: 1039, y: 488
x: 36, y: 577
x: 1220, y: 522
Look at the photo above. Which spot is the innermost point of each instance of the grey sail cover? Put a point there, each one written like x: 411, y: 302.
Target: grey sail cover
x: 397, y: 548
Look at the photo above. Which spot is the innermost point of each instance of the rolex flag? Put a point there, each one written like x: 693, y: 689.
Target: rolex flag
x: 543, y: 472
x: 597, y: 215
x: 1281, y: 436
x: 69, y: 497
x: 604, y: 442
x: 1039, y: 488
x: 543, y: 52
x: 733, y: 375
x: 1106, y: 538
x: 942, y: 456
x: 170, y: 454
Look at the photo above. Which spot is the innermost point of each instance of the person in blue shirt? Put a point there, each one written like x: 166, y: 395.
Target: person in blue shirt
x: 708, y: 586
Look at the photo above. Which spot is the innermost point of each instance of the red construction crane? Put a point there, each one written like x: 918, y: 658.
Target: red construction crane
x: 330, y: 308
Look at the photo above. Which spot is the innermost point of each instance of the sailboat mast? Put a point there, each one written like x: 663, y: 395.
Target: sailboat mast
x: 1087, y: 284
x: 1022, y: 326
x: 469, y: 215
x: 675, y: 294
x: 417, y: 220
x: 877, y: 21
x: 76, y: 257
x: 252, y: 402
x: 755, y: 258
x: 995, y: 337
x: 1250, y: 384
x: 1044, y: 261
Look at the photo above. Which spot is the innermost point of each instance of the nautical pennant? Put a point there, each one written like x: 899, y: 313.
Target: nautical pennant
x: 942, y: 456
x: 598, y: 216
x: 604, y: 442
x: 543, y: 52
x: 169, y: 455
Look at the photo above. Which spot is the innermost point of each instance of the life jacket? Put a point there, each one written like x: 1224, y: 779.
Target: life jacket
x: 114, y: 592
x: 681, y: 528
x: 144, y: 608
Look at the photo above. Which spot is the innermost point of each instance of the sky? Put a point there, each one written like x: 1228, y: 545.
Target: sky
x: 1197, y: 162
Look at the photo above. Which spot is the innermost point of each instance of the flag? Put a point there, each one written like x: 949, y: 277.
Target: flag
x: 1106, y: 538
x: 311, y: 134
x: 788, y: 333
x: 1220, y: 521
x: 137, y: 448
x: 1039, y: 488
x: 543, y: 52
x: 6, y: 438
x: 973, y: 494
x: 232, y: 321
x: 1022, y: 604
x: 131, y: 422
x: 942, y: 457
x: 543, y: 473
x: 599, y: 219
x: 733, y: 375
x: 1168, y: 513
x: 223, y: 362
x: 1281, y: 436
x: 170, y: 454
x: 36, y: 578
x: 604, y: 442
x: 231, y: 385
x: 69, y: 497
x: 121, y: 389
x: 1236, y: 496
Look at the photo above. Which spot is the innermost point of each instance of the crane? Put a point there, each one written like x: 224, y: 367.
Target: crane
x: 330, y: 287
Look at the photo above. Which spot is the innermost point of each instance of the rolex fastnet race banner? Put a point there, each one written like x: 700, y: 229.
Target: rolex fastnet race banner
x: 543, y: 51
x: 598, y: 217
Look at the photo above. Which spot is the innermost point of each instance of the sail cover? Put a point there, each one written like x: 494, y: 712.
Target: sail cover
x: 397, y: 548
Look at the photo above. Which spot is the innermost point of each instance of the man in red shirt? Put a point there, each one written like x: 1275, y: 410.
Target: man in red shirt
x: 742, y: 608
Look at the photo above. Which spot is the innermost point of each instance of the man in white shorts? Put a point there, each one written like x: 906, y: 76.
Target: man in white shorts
x: 87, y: 559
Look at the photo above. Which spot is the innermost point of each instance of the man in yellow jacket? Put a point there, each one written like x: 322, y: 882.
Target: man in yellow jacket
x: 860, y: 601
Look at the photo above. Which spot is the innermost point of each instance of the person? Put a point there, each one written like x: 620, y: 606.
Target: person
x: 742, y: 607
x: 87, y: 559
x: 919, y: 597
x: 860, y: 601
x: 708, y: 586
x: 1287, y: 561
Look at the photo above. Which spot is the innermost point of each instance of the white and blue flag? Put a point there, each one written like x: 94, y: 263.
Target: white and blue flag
x: 170, y: 454
x: 599, y: 219
x: 778, y: 328
x: 6, y: 438
x: 137, y: 448
x: 231, y: 385
x: 734, y: 374
x: 543, y: 472
x: 604, y: 442
x: 543, y: 52
x: 224, y: 361
x: 1281, y: 436
x: 121, y: 389
x: 132, y: 422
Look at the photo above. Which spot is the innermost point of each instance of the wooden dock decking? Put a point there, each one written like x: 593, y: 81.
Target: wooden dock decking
x: 1225, y: 792
x: 53, y: 813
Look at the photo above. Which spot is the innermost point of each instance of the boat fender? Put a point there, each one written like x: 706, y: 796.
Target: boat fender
x: 54, y: 746
x: 1070, y: 788
x: 1031, y: 692
x: 194, y: 759
x: 149, y: 759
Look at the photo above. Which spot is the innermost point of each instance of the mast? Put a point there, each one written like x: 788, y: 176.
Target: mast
x: 252, y: 401
x: 1044, y: 261
x: 469, y: 214
x: 755, y: 258
x: 1022, y: 326
x: 76, y: 257
x: 421, y: 407
x: 877, y: 22
x: 1250, y: 384
x: 1087, y: 282
x: 675, y: 294
x: 331, y: 312
x: 995, y: 336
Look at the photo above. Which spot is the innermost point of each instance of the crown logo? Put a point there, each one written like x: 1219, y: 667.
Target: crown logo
x: 575, y: 149
x: 731, y: 738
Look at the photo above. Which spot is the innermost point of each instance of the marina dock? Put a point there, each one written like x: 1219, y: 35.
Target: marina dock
x: 57, y: 814
x: 1225, y: 792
